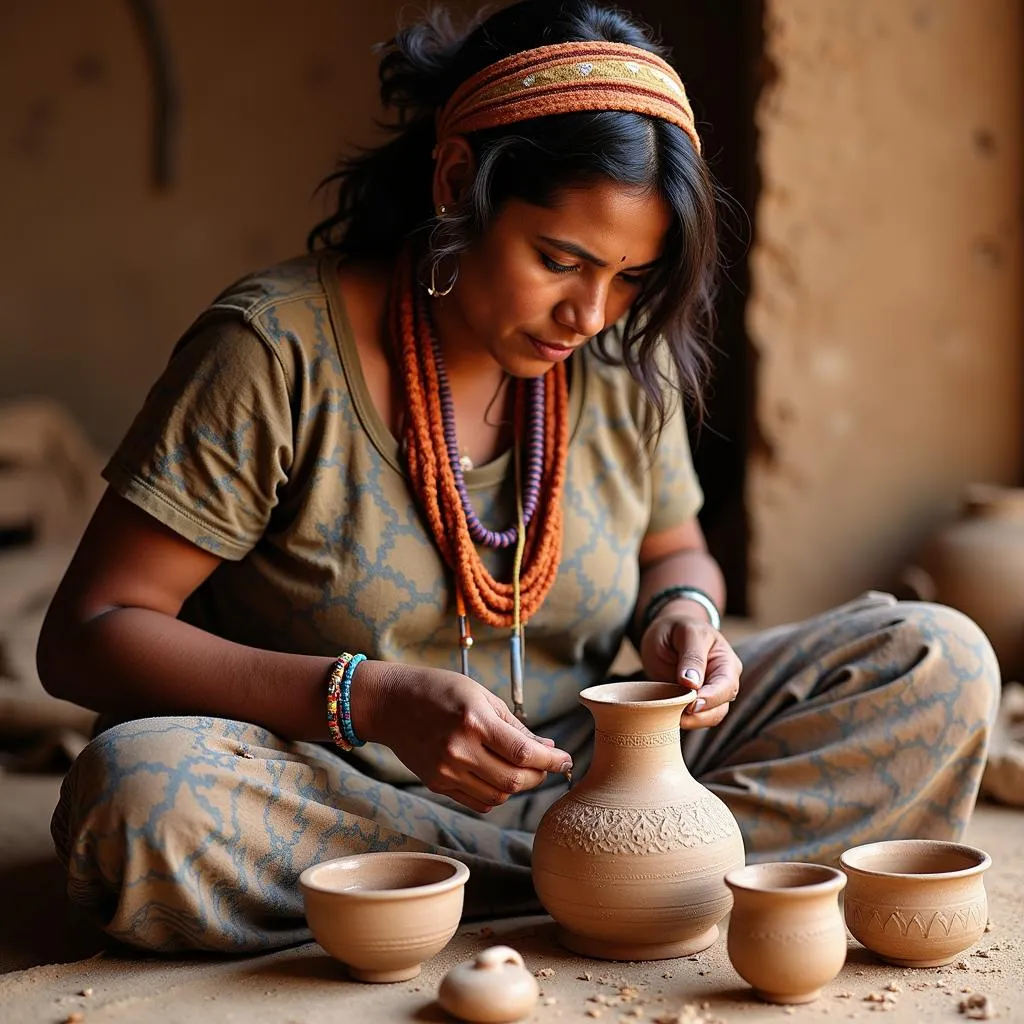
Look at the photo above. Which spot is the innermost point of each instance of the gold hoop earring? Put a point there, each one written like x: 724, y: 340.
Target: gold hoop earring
x: 432, y: 290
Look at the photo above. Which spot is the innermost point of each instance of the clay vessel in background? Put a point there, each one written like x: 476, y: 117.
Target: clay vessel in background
x: 786, y: 933
x: 495, y: 988
x: 916, y: 902
x: 630, y: 862
x: 976, y: 564
x: 383, y: 914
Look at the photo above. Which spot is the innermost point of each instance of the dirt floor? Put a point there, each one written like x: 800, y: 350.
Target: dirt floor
x: 56, y: 965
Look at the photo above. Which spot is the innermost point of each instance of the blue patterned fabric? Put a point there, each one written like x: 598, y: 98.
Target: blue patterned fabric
x: 868, y: 722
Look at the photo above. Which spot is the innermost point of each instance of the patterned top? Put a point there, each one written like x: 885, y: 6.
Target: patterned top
x: 260, y: 443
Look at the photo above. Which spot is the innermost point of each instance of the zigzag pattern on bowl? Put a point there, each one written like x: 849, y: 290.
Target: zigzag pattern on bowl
x: 963, y: 919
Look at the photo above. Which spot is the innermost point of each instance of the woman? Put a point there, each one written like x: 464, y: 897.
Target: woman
x: 491, y: 330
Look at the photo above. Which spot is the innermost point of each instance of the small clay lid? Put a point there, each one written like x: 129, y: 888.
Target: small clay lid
x: 495, y: 988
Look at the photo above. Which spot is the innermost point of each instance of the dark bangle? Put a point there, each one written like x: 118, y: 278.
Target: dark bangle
x: 669, y: 594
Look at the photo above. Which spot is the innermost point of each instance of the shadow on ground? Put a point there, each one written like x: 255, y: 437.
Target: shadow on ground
x: 40, y: 923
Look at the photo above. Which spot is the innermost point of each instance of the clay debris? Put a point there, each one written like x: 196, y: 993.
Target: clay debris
x: 690, y: 1013
x: 630, y: 1005
x: 882, y: 1001
x: 978, y: 1006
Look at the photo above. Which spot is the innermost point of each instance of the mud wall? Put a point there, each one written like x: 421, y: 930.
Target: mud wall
x: 100, y: 269
x: 887, y: 278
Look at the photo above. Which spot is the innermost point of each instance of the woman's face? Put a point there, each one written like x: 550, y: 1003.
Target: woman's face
x: 543, y: 281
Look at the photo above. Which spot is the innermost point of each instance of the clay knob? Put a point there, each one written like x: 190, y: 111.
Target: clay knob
x: 495, y: 988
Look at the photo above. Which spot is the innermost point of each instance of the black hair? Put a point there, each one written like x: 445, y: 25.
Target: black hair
x: 385, y: 193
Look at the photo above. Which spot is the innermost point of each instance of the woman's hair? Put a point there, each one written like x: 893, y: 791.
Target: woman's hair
x: 385, y: 193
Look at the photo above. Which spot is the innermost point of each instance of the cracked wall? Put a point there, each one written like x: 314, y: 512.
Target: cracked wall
x: 885, y: 312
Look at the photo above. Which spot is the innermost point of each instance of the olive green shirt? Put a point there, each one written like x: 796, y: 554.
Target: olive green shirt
x: 260, y: 443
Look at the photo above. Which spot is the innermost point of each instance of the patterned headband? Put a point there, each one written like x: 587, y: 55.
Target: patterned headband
x: 564, y: 79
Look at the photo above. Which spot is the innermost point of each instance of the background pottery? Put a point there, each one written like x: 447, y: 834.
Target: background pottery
x: 383, y: 914
x: 494, y: 988
x: 786, y: 932
x: 916, y: 902
x: 976, y: 564
x: 630, y: 862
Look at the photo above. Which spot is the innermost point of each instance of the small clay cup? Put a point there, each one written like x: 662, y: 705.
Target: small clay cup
x: 384, y: 914
x: 916, y: 902
x: 786, y: 934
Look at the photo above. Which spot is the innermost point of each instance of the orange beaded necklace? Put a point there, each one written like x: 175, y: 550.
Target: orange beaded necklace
x: 539, y: 547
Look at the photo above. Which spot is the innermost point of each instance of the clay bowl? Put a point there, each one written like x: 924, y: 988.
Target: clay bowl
x: 916, y: 902
x: 383, y: 914
x: 786, y: 932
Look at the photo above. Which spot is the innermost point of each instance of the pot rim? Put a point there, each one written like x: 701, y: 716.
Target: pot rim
x: 604, y: 694
x: 829, y: 879
x: 459, y: 876
x: 983, y: 861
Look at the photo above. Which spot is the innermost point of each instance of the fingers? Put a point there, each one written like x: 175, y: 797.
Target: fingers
x: 479, y: 790
x: 703, y: 719
x: 470, y: 771
x: 489, y: 782
x: 495, y: 757
x: 514, y: 743
x: 706, y: 663
x: 470, y: 801
x: 520, y: 749
x: 506, y: 716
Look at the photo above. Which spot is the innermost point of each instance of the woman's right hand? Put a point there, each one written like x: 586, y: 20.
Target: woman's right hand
x: 454, y: 734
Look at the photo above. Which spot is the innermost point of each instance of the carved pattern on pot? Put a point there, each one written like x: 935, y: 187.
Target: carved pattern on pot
x: 644, y: 740
x: 615, y: 877
x: 927, y: 923
x: 595, y: 829
x: 784, y: 938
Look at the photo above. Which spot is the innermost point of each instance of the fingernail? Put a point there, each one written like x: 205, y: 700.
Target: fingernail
x: 697, y: 705
x: 692, y: 675
x: 566, y: 767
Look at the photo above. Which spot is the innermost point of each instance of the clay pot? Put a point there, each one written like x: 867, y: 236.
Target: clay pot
x: 383, y: 914
x: 630, y: 862
x: 976, y: 564
x: 495, y: 988
x: 916, y: 902
x: 786, y: 932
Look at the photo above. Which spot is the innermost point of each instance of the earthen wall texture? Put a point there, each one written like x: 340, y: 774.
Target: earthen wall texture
x: 885, y: 310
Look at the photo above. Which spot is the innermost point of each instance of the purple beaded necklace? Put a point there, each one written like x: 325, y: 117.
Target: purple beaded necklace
x: 534, y: 454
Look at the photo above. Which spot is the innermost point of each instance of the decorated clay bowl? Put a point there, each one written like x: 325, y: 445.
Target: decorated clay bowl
x: 916, y: 902
x: 384, y: 914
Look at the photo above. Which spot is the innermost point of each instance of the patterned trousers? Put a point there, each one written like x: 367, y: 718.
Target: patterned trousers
x: 868, y: 722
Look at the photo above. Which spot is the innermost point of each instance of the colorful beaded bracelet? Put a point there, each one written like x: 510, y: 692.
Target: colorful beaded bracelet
x: 339, y: 702
x: 345, y: 717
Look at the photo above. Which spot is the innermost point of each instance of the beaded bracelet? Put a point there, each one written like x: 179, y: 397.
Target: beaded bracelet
x: 669, y: 594
x: 339, y: 701
x: 334, y: 681
x: 345, y: 718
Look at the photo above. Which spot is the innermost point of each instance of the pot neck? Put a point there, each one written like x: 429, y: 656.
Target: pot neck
x: 647, y: 733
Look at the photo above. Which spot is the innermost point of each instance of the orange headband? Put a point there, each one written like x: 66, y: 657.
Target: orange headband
x: 564, y: 79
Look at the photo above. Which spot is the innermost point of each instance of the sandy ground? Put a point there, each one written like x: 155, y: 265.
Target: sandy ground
x: 52, y: 957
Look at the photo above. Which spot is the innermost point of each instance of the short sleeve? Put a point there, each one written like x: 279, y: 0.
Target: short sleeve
x: 676, y: 494
x: 213, y: 442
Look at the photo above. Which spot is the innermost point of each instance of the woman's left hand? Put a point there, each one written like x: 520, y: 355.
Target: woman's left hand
x: 679, y: 649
